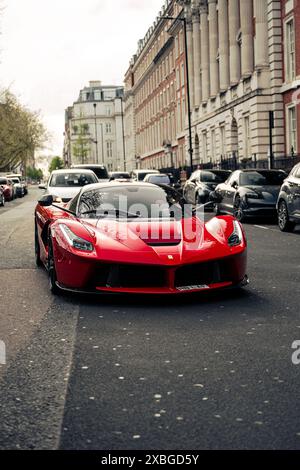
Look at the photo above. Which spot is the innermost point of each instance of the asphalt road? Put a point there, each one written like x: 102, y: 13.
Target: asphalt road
x: 203, y: 372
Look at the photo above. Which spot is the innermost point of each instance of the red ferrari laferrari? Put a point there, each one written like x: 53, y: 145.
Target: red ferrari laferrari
x: 131, y: 237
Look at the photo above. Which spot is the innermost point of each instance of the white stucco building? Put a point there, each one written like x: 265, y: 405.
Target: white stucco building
x: 94, y: 127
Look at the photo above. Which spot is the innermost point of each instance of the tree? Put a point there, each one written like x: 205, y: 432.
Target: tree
x: 56, y: 164
x: 82, y: 145
x: 34, y: 174
x: 21, y: 132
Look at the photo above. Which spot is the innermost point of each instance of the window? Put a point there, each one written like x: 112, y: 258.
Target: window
x: 292, y: 130
x: 204, y: 146
x: 108, y: 128
x: 247, y: 137
x: 109, y: 149
x: 222, y: 143
x: 213, y: 145
x: 108, y: 111
x: 290, y: 50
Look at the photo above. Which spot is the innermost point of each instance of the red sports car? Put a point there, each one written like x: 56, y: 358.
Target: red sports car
x: 136, y: 238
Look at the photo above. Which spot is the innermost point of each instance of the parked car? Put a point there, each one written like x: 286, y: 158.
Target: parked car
x: 2, y: 197
x: 249, y: 193
x: 22, y: 181
x: 80, y: 244
x: 197, y: 189
x: 139, y: 175
x: 119, y: 175
x: 288, y: 205
x: 65, y: 184
x: 19, y: 188
x: 8, y: 188
x: 99, y: 170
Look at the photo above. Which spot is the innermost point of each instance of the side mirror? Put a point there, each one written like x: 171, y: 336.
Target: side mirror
x: 46, y: 201
x: 215, y: 197
x: 42, y: 186
x: 235, y: 185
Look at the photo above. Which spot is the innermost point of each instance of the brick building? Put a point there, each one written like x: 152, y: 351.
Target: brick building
x: 291, y: 74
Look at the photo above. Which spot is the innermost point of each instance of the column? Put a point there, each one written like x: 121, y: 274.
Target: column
x: 224, y: 44
x: 213, y: 47
x: 234, y: 48
x: 247, y: 37
x: 204, y: 52
x: 261, y: 29
x: 190, y: 56
x: 197, y: 58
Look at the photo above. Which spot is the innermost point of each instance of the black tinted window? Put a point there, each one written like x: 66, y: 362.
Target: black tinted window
x: 265, y: 178
x: 213, y: 176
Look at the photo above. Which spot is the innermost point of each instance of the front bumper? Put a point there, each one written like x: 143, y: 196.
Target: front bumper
x: 99, y: 277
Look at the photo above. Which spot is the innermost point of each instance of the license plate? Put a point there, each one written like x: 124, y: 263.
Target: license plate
x: 187, y: 288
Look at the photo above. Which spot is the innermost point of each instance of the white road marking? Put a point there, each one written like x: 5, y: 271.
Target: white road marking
x: 261, y: 226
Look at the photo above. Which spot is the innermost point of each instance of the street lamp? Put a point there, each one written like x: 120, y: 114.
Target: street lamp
x: 190, y: 150
x: 96, y: 136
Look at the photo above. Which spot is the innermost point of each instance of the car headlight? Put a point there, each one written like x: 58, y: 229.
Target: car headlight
x: 253, y: 196
x: 236, y: 237
x: 75, y: 241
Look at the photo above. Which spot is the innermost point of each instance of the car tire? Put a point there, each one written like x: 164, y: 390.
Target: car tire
x: 2, y: 203
x: 54, y: 289
x: 238, y: 210
x: 284, y: 222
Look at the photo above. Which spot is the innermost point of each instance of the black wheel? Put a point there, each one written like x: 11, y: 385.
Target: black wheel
x: 284, y: 222
x: 51, y: 270
x: 238, y: 210
x: 198, y: 200
x: 37, y: 252
x: 2, y: 201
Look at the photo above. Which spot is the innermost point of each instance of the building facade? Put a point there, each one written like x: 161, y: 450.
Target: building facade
x: 94, y: 127
x: 291, y: 74
x: 235, y: 80
x: 155, y: 97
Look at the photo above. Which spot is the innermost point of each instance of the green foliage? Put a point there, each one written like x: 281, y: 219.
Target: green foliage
x: 56, y: 164
x: 21, y: 132
x: 82, y: 146
x: 34, y: 174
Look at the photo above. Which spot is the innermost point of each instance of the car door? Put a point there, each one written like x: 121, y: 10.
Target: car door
x: 295, y: 189
x: 229, y: 191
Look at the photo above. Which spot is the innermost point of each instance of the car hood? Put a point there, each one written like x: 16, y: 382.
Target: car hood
x: 64, y: 193
x: 267, y: 192
x: 162, y: 242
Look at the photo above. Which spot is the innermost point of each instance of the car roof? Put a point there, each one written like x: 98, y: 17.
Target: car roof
x: 89, y: 165
x: 261, y: 170
x: 145, y: 170
x: 72, y: 170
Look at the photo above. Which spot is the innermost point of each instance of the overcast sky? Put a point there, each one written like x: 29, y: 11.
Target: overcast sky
x: 50, y: 49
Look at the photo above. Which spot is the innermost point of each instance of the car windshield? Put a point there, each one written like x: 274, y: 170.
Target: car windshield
x: 142, y: 175
x: 120, y: 175
x: 213, y: 177
x: 262, y: 178
x: 15, y: 180
x: 158, y: 179
x: 66, y: 180
x: 101, y: 173
x: 125, y: 201
x: 3, y: 181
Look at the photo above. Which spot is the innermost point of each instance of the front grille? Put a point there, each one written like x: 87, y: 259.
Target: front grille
x: 123, y: 275
x: 212, y: 272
